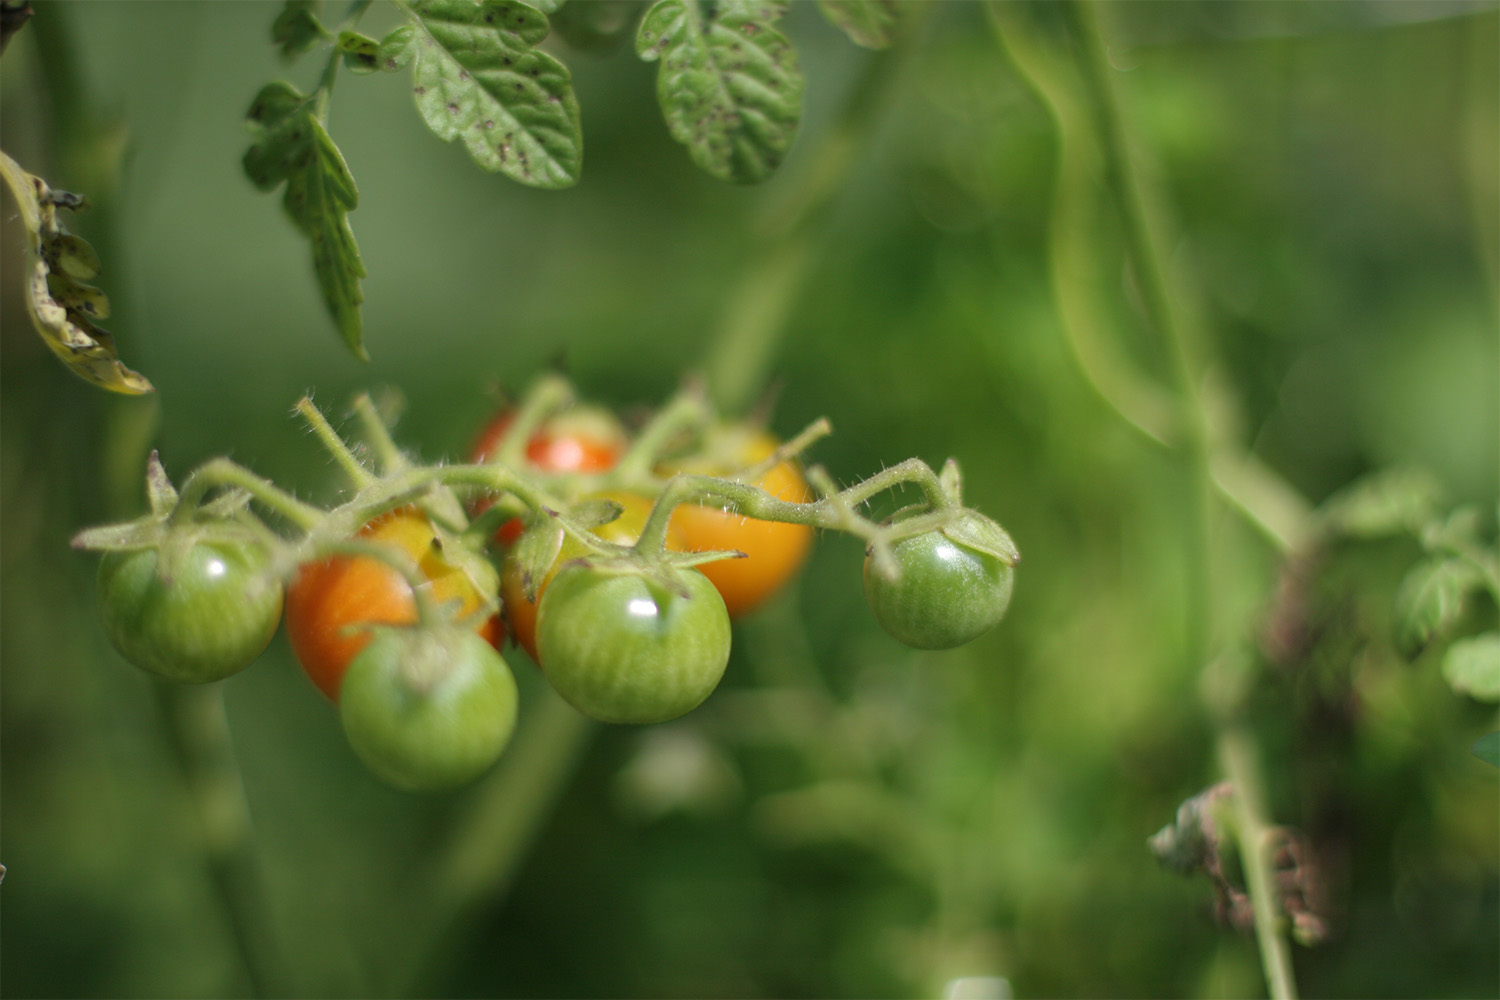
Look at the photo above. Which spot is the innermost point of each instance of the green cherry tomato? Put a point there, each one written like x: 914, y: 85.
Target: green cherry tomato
x: 946, y: 595
x: 211, y: 619
x: 621, y: 648
x: 428, y: 708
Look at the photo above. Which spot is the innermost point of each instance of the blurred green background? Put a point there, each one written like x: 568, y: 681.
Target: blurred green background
x: 845, y: 817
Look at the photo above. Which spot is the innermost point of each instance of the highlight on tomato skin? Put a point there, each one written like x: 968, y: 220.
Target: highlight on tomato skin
x: 583, y: 439
x: 774, y: 550
x: 330, y: 603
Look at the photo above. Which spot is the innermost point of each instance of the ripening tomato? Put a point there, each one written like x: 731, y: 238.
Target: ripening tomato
x: 331, y: 599
x: 774, y: 550
x: 211, y: 619
x: 621, y: 648
x: 520, y: 614
x: 583, y: 439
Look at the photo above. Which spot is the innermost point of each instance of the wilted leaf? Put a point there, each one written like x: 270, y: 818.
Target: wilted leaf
x: 62, y: 308
x: 729, y: 83
x: 292, y: 146
x: 477, y: 77
x: 1472, y: 666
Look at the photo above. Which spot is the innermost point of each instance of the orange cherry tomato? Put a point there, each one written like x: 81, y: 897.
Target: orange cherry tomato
x: 584, y: 439
x: 520, y: 614
x: 330, y: 599
x: 774, y: 550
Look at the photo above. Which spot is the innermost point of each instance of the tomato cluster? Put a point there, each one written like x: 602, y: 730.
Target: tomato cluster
x: 615, y: 561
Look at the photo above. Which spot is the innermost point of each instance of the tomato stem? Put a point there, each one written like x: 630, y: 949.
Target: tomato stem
x: 359, y: 476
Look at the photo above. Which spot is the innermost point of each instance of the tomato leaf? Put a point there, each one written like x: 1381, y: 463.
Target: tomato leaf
x: 62, y: 308
x: 477, y: 77
x: 1384, y: 503
x: 1430, y: 600
x: 361, y: 52
x: 729, y: 83
x: 1487, y: 748
x: 871, y: 23
x: 297, y: 28
x: 291, y: 146
x: 1472, y: 666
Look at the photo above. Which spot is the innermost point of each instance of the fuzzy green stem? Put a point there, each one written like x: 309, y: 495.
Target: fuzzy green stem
x: 1142, y: 228
x: 547, y: 396
x: 387, y: 452
x: 687, y: 409
x: 359, y: 476
x: 220, y: 472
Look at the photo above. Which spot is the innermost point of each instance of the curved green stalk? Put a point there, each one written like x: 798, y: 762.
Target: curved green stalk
x: 1099, y: 146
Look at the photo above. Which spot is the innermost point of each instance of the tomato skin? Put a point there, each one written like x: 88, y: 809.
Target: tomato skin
x: 947, y: 594
x: 774, y: 550
x: 621, y: 649
x: 428, y: 709
x: 216, y: 615
x: 330, y: 599
x: 521, y: 614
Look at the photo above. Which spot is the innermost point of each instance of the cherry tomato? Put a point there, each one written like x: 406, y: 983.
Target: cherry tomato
x: 774, y: 550
x: 583, y: 439
x: 331, y: 599
x: 620, y: 648
x: 520, y: 614
x: 946, y: 595
x: 426, y: 708
x: 211, y: 619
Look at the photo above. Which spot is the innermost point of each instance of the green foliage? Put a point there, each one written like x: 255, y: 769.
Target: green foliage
x: 1472, y: 666
x: 1431, y: 601
x: 729, y: 83
x: 477, y: 76
x: 292, y: 147
x: 297, y: 29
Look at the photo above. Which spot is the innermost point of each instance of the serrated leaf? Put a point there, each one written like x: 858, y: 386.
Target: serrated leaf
x: 361, y: 52
x: 871, y: 23
x: 291, y: 146
x: 1430, y: 600
x: 477, y: 77
x: 729, y: 84
x: 1487, y: 749
x: 297, y: 28
x: 61, y: 309
x: 1383, y: 503
x: 1472, y: 666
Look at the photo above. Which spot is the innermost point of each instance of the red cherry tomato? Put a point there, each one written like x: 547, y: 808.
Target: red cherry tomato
x: 584, y: 439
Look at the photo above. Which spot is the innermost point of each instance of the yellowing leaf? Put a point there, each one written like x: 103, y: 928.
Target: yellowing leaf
x: 62, y: 308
